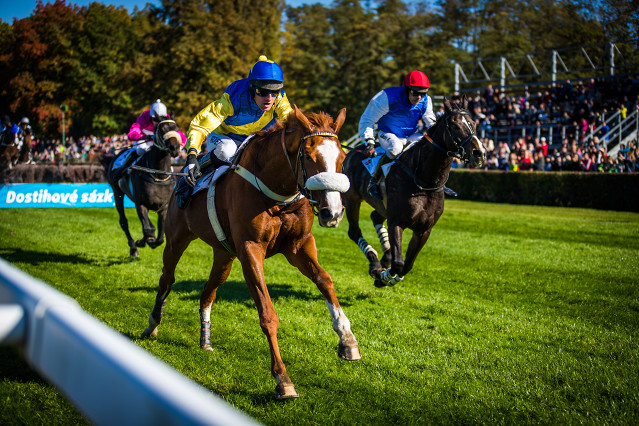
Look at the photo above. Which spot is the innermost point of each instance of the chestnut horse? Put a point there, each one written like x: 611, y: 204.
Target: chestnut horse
x: 414, y: 187
x: 147, y: 191
x: 263, y: 206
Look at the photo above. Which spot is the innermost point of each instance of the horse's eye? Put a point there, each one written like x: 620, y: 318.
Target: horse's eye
x: 308, y: 157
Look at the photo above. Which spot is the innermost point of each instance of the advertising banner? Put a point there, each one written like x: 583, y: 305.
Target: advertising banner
x: 30, y: 195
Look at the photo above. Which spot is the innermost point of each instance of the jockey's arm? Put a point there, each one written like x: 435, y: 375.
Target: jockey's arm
x: 429, y: 116
x: 136, y: 133
x: 283, y: 108
x: 376, y: 109
x: 207, y: 121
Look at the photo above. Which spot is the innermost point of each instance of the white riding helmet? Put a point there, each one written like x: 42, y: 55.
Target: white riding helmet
x: 24, y: 120
x: 158, y: 109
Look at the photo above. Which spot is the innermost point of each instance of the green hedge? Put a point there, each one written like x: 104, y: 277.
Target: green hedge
x: 604, y: 191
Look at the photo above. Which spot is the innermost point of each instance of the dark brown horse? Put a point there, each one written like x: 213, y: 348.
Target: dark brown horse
x: 263, y: 208
x: 414, y: 187
x: 148, y: 191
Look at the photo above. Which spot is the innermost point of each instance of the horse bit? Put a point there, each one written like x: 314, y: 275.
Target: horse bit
x: 462, y: 152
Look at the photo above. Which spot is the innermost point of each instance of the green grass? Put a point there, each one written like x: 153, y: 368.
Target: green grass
x: 512, y: 314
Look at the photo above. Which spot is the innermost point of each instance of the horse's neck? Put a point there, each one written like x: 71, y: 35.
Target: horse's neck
x: 431, y: 164
x: 267, y: 161
x: 156, y: 158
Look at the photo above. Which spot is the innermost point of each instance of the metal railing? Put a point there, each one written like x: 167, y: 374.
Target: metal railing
x: 108, y: 378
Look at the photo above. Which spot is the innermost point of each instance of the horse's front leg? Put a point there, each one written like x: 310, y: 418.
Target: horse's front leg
x: 393, y: 275
x: 160, y: 235
x: 306, y: 261
x: 415, y: 245
x: 148, y: 230
x: 252, y: 256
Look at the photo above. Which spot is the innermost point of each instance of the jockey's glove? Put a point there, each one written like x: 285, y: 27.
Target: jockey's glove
x: 192, y: 168
x: 369, y: 148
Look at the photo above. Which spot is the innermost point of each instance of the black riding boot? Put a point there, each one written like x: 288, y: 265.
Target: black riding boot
x: 183, y: 191
x: 373, y: 185
x: 119, y: 172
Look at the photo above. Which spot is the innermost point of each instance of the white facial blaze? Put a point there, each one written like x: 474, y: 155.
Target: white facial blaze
x: 329, y: 151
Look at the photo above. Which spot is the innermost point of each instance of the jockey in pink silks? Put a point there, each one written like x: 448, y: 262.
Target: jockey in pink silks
x: 142, y: 132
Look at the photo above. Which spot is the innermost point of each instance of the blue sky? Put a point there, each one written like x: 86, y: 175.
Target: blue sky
x: 10, y: 9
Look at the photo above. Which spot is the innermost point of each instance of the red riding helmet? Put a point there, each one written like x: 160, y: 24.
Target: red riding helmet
x: 416, y: 80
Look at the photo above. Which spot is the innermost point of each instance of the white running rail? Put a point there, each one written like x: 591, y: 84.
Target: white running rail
x: 108, y: 378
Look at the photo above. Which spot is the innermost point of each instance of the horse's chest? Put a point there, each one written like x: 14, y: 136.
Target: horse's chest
x: 416, y: 212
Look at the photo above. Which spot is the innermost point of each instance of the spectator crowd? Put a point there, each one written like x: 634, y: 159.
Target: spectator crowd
x: 574, y: 116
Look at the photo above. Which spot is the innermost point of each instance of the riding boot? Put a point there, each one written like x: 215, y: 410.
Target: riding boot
x: 183, y: 191
x: 119, y: 172
x: 373, y: 185
x: 209, y: 163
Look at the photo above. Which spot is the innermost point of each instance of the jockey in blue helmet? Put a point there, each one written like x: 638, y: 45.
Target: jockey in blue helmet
x: 246, y: 106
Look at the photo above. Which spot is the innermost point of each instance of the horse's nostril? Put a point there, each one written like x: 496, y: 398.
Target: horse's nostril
x: 325, y: 215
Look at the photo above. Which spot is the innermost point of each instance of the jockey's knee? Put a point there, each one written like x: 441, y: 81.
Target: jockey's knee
x: 140, y: 151
x: 225, y: 150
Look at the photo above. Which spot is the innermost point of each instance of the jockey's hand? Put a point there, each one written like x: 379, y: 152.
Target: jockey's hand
x: 368, y: 148
x: 192, y: 168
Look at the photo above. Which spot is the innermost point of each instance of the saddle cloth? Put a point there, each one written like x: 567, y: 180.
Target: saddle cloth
x: 371, y: 163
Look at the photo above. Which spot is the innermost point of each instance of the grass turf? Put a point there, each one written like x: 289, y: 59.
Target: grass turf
x: 512, y: 314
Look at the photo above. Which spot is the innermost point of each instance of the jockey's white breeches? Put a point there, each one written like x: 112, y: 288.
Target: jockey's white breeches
x: 394, y: 145
x: 222, y: 146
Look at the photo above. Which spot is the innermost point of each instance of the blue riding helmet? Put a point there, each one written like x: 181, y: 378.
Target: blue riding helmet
x: 266, y: 74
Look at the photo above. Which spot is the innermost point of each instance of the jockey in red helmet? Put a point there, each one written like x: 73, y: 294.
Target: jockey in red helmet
x: 397, y: 112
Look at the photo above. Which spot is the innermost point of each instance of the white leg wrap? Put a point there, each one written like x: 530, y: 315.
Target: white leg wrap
x: 382, y: 234
x: 389, y: 279
x: 365, y: 247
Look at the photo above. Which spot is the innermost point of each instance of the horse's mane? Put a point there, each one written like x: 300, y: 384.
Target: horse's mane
x: 320, y: 120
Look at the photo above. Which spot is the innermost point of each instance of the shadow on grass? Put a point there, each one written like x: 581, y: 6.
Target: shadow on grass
x: 33, y: 257
x: 14, y: 367
x: 238, y: 292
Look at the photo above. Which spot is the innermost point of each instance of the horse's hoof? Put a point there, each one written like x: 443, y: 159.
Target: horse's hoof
x: 286, y: 391
x: 207, y: 347
x: 349, y: 353
x: 134, y: 253
x: 375, y: 273
x: 150, y: 332
x: 379, y: 283
x: 156, y: 243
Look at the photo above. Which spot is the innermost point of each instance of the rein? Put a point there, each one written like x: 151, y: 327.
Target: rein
x: 300, y: 163
x: 159, y: 141
x: 459, y: 153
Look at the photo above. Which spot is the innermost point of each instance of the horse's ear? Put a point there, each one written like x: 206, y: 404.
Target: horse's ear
x: 301, y: 118
x: 339, y: 121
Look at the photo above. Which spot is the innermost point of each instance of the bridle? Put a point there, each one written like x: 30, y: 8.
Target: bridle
x: 299, y: 164
x: 462, y: 145
x: 160, y: 139
x: 461, y: 152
